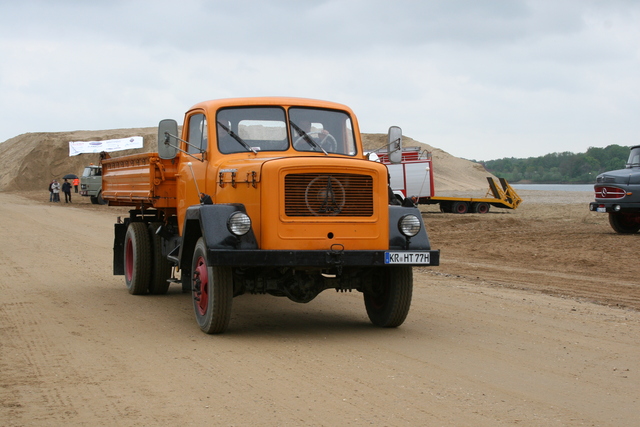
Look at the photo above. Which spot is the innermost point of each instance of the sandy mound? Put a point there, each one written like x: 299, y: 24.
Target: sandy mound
x: 30, y: 161
x: 450, y: 173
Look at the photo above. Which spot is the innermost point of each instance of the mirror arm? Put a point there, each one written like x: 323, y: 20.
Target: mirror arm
x: 167, y: 137
x: 397, y: 147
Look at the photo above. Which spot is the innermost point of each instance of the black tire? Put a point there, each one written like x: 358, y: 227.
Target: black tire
x: 445, y: 207
x: 460, y: 207
x: 389, y: 299
x: 623, y: 223
x: 212, y: 290
x: 137, y: 258
x: 480, y: 207
x: 100, y: 200
x: 94, y: 200
x: 160, y: 265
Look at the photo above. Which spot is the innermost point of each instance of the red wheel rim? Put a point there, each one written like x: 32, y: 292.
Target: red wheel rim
x: 202, y: 275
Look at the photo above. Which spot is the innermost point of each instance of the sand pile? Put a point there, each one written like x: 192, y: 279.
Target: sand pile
x: 450, y: 173
x: 30, y: 161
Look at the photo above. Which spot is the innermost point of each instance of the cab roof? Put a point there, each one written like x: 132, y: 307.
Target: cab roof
x: 216, y: 104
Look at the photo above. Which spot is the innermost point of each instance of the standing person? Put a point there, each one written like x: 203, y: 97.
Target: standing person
x: 51, y: 191
x: 76, y: 182
x: 66, y: 189
x: 55, y: 187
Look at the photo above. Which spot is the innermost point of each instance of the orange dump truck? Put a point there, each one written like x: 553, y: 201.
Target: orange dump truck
x: 264, y: 196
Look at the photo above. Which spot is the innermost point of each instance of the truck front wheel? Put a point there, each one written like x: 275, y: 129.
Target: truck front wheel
x: 212, y: 290
x: 624, y: 223
x: 137, y: 258
x: 389, y: 298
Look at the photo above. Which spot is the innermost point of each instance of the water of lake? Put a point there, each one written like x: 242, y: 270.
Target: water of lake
x: 554, y: 187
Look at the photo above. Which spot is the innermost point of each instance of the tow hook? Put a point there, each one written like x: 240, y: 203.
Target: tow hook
x: 334, y: 256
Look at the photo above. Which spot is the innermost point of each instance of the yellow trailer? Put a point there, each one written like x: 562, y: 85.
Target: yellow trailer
x: 412, y: 178
x: 503, y: 196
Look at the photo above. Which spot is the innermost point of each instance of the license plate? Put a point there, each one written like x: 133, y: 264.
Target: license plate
x: 603, y: 210
x: 407, y: 258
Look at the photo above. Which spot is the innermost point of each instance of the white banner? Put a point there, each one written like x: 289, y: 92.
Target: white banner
x: 79, y: 147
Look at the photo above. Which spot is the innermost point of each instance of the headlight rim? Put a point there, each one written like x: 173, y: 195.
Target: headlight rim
x: 409, y: 229
x: 239, y: 223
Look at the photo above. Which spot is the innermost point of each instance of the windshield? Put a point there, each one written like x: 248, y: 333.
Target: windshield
x: 326, y: 131
x: 252, y: 129
x: 89, y: 171
x: 266, y: 129
x: 634, y: 158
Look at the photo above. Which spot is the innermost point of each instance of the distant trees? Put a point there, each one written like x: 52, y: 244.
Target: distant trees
x: 561, y: 168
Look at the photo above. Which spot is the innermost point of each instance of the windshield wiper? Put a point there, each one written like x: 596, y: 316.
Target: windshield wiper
x: 307, y: 138
x: 237, y: 138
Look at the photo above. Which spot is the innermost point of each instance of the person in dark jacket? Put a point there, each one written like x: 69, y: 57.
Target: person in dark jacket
x: 66, y: 189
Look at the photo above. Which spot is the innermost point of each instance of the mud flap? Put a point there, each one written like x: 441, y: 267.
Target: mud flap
x: 120, y: 231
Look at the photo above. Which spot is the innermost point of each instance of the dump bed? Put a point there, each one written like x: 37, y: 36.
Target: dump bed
x: 142, y: 180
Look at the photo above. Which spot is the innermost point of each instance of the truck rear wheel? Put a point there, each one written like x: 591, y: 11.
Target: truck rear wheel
x: 137, y: 258
x: 460, y: 207
x: 160, y: 267
x: 480, y: 207
x: 212, y: 290
x: 389, y: 299
x: 624, y: 223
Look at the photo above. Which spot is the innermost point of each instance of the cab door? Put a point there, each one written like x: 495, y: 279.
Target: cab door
x: 192, y: 171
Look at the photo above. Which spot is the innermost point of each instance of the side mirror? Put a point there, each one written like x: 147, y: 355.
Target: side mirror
x: 394, y: 142
x: 167, y: 145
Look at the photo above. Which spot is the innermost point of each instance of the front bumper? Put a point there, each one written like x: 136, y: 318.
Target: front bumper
x: 322, y: 259
x: 609, y: 206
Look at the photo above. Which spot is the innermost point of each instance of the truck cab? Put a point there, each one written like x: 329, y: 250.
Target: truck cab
x: 91, y: 184
x: 617, y: 193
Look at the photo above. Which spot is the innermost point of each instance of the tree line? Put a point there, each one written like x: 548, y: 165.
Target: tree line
x: 560, y: 168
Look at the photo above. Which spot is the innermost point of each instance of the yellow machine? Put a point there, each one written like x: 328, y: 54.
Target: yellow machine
x: 503, y: 197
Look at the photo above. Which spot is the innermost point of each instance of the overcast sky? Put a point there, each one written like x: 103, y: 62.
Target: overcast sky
x: 479, y: 79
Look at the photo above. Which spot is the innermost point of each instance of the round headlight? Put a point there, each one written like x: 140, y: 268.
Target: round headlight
x: 409, y: 225
x: 239, y: 223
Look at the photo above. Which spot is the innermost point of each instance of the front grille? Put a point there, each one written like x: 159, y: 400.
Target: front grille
x: 609, y: 193
x: 322, y: 194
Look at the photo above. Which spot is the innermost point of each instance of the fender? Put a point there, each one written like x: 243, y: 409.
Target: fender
x: 397, y: 240
x: 210, y: 221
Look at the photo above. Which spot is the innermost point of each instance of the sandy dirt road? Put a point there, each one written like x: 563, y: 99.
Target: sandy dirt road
x: 532, y: 319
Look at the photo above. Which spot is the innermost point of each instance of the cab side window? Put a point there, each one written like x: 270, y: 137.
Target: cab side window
x: 197, y: 134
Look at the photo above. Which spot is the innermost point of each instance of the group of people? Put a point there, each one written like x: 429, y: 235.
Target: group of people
x: 55, y: 188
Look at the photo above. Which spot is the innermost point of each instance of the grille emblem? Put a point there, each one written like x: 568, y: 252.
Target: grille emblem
x: 329, y: 203
x: 325, y: 199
